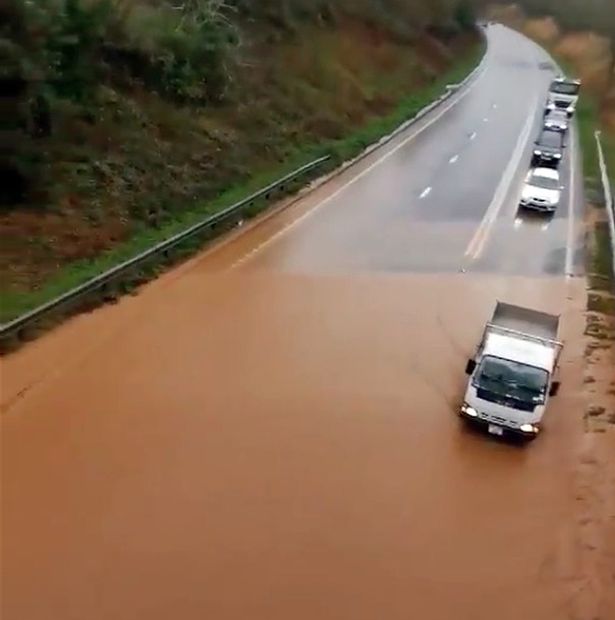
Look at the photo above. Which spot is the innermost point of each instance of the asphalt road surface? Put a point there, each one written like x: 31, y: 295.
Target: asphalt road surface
x: 269, y: 431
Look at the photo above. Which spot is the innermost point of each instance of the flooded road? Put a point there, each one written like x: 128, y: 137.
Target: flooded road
x: 269, y: 431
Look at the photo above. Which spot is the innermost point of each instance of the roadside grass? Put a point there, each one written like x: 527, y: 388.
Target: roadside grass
x: 601, y: 271
x: 587, y: 122
x: 15, y: 303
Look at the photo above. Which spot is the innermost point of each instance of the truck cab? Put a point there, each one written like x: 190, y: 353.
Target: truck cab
x: 512, y: 374
x: 563, y: 95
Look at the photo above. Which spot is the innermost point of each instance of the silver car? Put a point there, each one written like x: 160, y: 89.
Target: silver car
x: 556, y: 120
x: 542, y: 190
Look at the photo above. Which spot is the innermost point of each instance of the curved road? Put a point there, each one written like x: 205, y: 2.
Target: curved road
x: 268, y: 432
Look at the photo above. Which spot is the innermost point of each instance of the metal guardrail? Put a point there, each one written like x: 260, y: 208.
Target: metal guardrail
x: 234, y: 212
x: 608, y: 195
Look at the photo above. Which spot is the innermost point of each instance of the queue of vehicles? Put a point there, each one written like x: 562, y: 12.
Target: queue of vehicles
x: 513, y: 372
x: 543, y: 189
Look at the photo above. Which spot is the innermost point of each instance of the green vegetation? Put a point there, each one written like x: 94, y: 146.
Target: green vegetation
x: 133, y: 119
x: 600, y: 267
x: 588, y: 122
x: 587, y: 115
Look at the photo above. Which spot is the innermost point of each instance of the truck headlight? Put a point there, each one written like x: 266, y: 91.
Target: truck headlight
x: 537, y: 152
x: 557, y: 155
x: 465, y: 408
x: 528, y: 428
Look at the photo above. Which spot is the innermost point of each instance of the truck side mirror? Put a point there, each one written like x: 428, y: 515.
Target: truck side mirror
x: 470, y: 367
x: 554, y: 388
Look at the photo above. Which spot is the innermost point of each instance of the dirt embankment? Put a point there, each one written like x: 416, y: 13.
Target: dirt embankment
x: 588, y: 53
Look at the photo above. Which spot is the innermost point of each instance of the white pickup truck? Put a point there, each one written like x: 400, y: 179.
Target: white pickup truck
x: 563, y: 95
x: 512, y: 373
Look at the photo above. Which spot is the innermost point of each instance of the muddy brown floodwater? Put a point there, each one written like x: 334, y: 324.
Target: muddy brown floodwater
x: 273, y: 446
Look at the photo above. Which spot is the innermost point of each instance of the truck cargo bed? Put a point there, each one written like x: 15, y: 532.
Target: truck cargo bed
x: 526, y: 321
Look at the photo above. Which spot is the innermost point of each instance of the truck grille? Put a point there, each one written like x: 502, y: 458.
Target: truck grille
x: 495, y: 419
x: 504, y: 401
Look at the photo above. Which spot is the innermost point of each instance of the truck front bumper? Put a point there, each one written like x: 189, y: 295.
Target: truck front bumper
x: 489, y: 423
x: 534, y: 205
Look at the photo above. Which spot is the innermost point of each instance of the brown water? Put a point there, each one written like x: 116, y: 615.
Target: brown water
x: 251, y: 444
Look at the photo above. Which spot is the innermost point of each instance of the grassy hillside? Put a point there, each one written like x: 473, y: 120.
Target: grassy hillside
x: 128, y: 116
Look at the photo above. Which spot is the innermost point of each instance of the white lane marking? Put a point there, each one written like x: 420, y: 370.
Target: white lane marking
x: 425, y: 192
x: 479, y: 239
x: 544, y: 227
x: 473, y: 135
x: 363, y: 173
x: 453, y: 159
x: 495, y: 106
x: 518, y: 222
x: 571, y: 189
x: 485, y: 120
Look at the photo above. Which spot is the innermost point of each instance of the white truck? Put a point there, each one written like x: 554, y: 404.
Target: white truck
x: 513, y: 372
x: 563, y: 95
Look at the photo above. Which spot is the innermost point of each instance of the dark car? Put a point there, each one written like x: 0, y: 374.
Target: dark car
x: 549, y: 148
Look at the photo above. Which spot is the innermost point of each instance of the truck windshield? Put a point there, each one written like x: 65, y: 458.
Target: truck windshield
x: 564, y: 88
x: 512, y: 380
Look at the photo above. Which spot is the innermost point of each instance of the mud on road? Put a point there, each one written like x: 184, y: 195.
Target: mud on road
x: 284, y: 446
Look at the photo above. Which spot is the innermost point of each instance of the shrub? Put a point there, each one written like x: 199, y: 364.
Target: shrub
x: 465, y: 14
x: 185, y: 54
